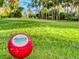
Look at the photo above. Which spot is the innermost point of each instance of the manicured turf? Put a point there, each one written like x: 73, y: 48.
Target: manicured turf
x: 52, y: 39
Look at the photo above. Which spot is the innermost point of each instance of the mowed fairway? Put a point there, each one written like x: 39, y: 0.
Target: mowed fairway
x: 51, y: 39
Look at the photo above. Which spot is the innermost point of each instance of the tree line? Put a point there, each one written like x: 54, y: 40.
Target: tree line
x: 52, y: 9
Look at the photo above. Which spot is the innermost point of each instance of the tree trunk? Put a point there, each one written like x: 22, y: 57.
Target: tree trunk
x: 52, y: 14
x: 78, y: 12
x: 42, y: 15
x: 46, y: 15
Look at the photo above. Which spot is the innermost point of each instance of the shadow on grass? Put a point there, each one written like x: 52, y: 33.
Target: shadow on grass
x: 14, y: 24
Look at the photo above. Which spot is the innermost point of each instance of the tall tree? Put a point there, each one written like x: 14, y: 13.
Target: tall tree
x: 1, y: 2
x: 13, y: 3
x: 77, y: 3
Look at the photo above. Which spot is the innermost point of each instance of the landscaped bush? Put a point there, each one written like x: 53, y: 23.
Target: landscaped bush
x: 71, y: 17
x: 62, y: 15
x: 68, y: 16
x: 16, y: 13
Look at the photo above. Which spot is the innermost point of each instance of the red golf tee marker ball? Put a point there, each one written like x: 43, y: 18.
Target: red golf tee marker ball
x: 20, y: 46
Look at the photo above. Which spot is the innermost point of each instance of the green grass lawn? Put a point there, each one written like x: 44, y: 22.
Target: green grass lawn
x: 51, y: 39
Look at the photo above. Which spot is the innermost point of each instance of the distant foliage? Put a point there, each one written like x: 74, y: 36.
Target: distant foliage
x: 16, y: 13
x: 30, y: 13
x: 45, y: 10
x: 51, y: 9
x: 1, y: 2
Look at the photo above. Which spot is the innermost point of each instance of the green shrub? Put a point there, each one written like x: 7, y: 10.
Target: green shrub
x: 16, y: 13
x: 68, y: 16
x: 62, y: 15
x: 71, y: 17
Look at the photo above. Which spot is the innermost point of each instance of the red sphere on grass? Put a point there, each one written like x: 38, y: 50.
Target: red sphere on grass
x: 20, y: 46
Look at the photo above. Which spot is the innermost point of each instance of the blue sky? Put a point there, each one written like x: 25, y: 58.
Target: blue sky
x: 26, y: 4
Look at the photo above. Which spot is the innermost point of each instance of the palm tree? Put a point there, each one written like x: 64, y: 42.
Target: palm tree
x: 55, y: 3
x: 44, y: 2
x: 77, y: 4
x: 13, y: 3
